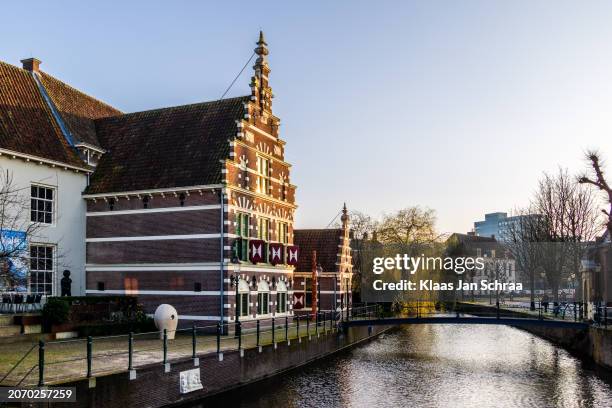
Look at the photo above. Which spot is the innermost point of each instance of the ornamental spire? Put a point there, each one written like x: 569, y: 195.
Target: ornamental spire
x: 260, y: 89
x: 345, y: 218
x: 262, y: 49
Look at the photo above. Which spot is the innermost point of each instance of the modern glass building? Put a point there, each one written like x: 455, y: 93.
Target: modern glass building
x: 496, y: 225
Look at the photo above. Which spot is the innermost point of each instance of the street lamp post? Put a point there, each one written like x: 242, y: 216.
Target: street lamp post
x: 335, y: 305
x: 235, y: 280
x: 543, y: 297
x: 318, y: 276
x: 498, y: 264
x: 572, y: 286
x: 489, y: 265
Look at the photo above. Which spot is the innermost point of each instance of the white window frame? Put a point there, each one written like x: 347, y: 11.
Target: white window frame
x: 263, y: 299
x: 53, y: 270
x: 263, y: 233
x: 282, y: 231
x: 281, y: 289
x: 263, y: 175
x: 263, y: 303
x: 53, y: 203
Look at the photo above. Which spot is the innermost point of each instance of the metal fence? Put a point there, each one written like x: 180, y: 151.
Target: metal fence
x: 66, y: 360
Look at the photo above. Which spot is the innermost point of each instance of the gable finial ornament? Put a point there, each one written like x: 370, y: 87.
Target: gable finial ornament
x: 261, y: 89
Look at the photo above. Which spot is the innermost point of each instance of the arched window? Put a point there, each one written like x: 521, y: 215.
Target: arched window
x: 263, y: 298
x: 281, y: 297
x: 242, y: 303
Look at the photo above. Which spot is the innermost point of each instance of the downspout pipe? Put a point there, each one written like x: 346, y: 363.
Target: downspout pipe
x: 222, y: 253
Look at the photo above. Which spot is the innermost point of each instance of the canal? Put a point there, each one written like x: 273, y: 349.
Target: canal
x: 439, y: 366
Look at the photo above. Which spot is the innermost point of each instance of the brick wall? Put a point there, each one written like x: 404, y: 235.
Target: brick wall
x: 157, y: 251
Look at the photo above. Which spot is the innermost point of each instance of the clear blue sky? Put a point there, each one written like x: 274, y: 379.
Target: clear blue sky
x: 455, y: 105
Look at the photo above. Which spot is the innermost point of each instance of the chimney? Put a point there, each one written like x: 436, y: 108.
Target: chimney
x: 31, y: 64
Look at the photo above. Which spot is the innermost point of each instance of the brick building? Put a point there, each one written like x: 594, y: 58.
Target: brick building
x: 334, y: 264
x: 185, y: 198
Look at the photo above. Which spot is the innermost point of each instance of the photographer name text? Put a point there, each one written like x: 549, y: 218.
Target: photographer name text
x: 428, y: 284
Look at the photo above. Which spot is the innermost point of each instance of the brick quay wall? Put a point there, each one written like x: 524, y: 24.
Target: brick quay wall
x: 153, y: 387
x: 594, y: 343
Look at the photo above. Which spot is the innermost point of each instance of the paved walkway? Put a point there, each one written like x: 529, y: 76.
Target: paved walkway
x: 66, y: 360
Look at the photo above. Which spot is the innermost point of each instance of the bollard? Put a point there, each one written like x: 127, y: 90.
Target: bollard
x: 540, y: 311
x: 41, y: 363
x: 257, y: 339
x: 89, y: 355
x: 287, y: 328
x: 193, y: 341
x: 165, y: 345
x: 131, y: 371
x: 130, y: 351
x: 273, y: 332
x: 218, y: 338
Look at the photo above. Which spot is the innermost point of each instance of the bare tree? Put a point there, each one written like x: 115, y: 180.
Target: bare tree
x: 567, y: 216
x: 598, y: 180
x: 521, y: 238
x: 497, y: 269
x: 15, y: 231
x: 362, y: 228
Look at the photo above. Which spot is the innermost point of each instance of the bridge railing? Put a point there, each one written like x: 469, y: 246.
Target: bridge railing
x: 562, y: 311
x: 66, y: 360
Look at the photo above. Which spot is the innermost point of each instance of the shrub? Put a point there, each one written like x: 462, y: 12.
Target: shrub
x: 55, y: 311
x: 144, y: 325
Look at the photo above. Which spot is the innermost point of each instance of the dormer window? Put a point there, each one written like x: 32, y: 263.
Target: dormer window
x: 89, y: 154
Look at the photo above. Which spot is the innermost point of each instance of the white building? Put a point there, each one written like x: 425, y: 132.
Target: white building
x: 48, y: 148
x: 60, y: 235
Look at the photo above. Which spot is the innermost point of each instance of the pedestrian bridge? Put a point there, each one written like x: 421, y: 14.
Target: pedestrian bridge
x: 446, y: 319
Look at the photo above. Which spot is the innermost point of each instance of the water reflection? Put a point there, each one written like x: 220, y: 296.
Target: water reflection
x: 440, y: 366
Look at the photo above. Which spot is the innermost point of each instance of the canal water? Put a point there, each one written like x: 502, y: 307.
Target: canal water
x: 439, y: 366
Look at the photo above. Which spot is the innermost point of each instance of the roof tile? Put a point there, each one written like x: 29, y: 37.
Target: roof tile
x: 324, y: 241
x: 26, y: 122
x: 172, y: 147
